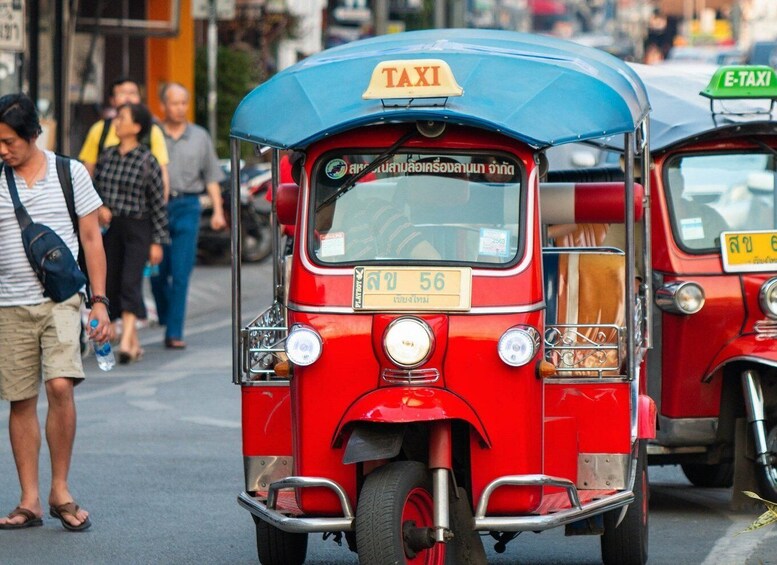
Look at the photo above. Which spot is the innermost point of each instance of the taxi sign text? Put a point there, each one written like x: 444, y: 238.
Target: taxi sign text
x: 742, y: 81
x: 749, y: 251
x: 417, y: 78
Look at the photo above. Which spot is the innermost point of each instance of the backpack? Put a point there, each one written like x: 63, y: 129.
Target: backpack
x: 49, y: 256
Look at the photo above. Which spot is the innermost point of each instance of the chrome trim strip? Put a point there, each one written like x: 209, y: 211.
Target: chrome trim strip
x: 519, y: 309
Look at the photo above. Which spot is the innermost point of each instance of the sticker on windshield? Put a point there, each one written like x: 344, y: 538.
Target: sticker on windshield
x: 332, y: 244
x: 494, y: 242
x: 336, y: 169
x: 691, y: 228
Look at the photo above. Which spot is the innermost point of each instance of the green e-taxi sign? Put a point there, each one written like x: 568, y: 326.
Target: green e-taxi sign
x: 742, y: 81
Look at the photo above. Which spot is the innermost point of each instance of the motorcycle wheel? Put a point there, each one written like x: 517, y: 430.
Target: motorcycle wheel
x: 276, y: 547
x: 395, y: 516
x: 627, y: 543
x: 256, y: 236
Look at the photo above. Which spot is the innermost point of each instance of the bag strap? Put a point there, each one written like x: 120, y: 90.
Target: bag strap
x: 65, y: 176
x: 21, y: 212
x: 103, y: 135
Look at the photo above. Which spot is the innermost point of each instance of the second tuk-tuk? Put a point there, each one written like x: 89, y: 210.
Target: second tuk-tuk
x: 713, y: 369
x: 431, y: 370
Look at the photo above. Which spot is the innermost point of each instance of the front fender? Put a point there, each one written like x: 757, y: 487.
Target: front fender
x: 752, y: 348
x: 399, y: 405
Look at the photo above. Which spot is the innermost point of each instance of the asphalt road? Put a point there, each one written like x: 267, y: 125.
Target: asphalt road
x: 158, y: 463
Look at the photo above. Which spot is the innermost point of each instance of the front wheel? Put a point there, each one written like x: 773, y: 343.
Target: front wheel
x: 767, y: 474
x: 395, y: 517
x: 626, y: 543
x: 276, y: 547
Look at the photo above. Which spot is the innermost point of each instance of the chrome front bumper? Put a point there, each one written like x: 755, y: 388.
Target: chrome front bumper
x: 266, y: 510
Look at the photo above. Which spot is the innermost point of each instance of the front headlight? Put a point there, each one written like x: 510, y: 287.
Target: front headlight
x: 768, y: 298
x: 680, y: 297
x: 408, y: 342
x: 303, y: 346
x: 518, y: 346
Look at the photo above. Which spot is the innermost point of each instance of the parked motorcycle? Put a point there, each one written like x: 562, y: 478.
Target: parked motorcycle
x: 213, y: 246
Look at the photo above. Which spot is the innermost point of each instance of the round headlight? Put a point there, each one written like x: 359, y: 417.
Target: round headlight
x: 768, y: 298
x: 517, y: 346
x: 303, y: 346
x: 680, y: 297
x: 408, y: 342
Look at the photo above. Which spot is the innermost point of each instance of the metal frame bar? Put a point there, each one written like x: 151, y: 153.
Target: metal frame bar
x: 235, y: 252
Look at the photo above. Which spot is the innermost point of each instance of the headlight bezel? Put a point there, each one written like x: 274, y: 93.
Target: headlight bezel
x: 394, y: 331
x: 300, y: 332
x: 769, y: 287
x: 530, y: 340
x: 670, y: 297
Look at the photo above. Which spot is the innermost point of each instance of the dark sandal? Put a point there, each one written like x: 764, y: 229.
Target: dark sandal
x: 30, y: 519
x: 69, y: 508
x: 172, y: 343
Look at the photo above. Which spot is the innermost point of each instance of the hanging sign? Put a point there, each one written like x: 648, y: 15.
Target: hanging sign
x: 12, y: 34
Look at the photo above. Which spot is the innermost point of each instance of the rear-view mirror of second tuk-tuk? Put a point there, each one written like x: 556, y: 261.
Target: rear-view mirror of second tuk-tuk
x: 432, y: 368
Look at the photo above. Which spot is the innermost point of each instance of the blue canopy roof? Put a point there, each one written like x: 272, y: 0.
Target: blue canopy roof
x: 537, y: 89
x: 679, y: 113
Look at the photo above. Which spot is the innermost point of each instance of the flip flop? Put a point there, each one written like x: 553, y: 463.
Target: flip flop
x: 30, y: 519
x: 70, y: 508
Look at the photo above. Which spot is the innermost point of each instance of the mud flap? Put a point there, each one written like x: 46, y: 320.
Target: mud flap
x: 744, y: 470
x: 371, y: 442
x: 466, y: 547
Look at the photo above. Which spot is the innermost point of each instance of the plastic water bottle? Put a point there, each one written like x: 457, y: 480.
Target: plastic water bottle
x: 103, y: 353
x: 151, y: 270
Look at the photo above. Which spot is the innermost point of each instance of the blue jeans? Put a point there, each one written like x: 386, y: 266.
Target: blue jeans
x: 171, y: 286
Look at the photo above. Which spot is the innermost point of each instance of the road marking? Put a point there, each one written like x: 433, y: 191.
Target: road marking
x: 733, y: 548
x: 205, y: 421
x: 149, y: 405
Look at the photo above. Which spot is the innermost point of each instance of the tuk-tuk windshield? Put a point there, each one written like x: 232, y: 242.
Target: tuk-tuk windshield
x: 459, y: 208
x: 713, y: 193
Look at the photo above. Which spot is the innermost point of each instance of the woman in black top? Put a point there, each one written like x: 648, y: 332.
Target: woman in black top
x: 134, y: 220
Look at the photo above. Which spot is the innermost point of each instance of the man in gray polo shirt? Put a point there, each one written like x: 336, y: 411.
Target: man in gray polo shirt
x: 193, y: 169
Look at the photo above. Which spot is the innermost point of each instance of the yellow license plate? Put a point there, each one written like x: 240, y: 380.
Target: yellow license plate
x: 410, y: 288
x: 744, y: 252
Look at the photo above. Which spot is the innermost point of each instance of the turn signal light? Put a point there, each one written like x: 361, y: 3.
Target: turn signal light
x: 282, y: 369
x: 545, y: 369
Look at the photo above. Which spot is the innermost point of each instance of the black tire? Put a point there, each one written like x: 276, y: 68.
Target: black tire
x: 627, y: 543
x: 276, y: 547
x: 720, y: 475
x: 393, y: 498
x: 257, y: 237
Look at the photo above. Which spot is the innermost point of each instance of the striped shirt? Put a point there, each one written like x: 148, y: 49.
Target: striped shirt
x: 131, y: 186
x: 45, y: 203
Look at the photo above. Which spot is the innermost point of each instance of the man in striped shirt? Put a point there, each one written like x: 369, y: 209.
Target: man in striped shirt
x: 40, y: 339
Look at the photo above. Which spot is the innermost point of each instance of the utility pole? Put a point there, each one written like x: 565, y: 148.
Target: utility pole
x: 440, y: 9
x: 212, y: 59
x: 381, y: 14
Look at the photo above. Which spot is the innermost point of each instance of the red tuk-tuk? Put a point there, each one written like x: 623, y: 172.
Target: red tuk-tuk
x: 430, y: 370
x: 713, y: 368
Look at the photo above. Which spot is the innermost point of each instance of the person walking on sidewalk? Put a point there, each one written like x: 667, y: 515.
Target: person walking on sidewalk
x: 40, y: 339
x: 193, y: 169
x: 129, y: 181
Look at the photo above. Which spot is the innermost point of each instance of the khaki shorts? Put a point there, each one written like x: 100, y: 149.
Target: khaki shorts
x: 39, y: 340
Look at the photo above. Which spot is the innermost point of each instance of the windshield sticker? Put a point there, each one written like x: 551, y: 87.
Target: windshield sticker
x: 332, y: 244
x: 691, y: 228
x: 494, y: 242
x: 336, y: 169
x: 434, y: 167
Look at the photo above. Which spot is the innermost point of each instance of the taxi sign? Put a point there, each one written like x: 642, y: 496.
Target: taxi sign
x: 742, y: 81
x: 412, y: 78
x: 411, y: 288
x: 753, y: 251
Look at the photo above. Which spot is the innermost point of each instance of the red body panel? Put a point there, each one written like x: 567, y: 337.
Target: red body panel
x: 266, y: 420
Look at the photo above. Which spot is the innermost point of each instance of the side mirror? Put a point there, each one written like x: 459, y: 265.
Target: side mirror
x: 286, y: 203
